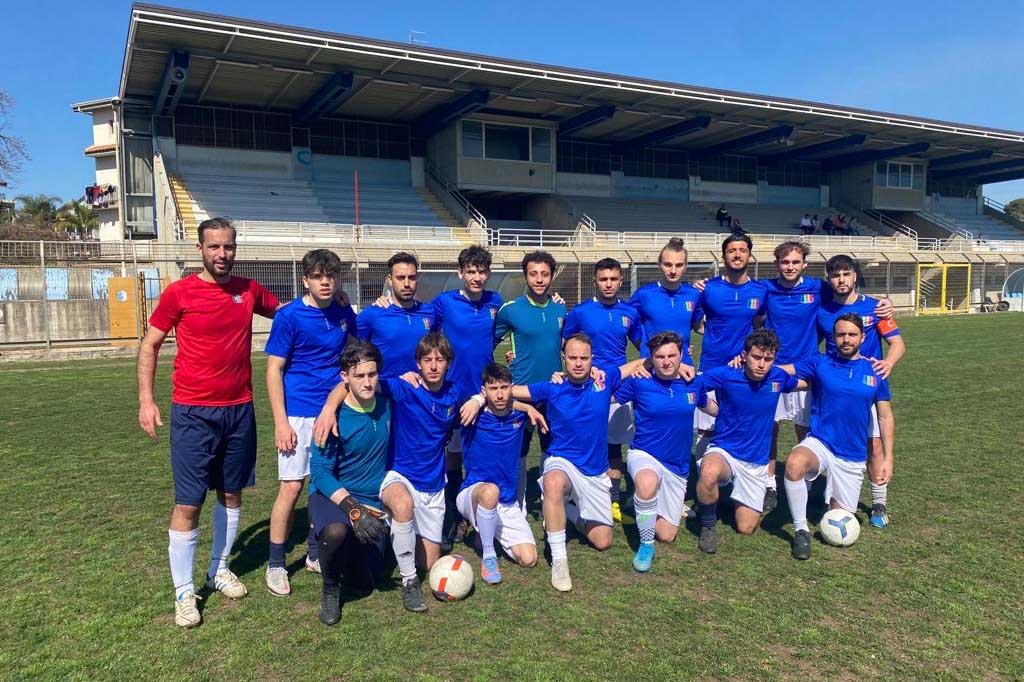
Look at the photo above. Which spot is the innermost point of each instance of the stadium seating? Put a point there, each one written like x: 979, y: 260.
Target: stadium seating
x: 964, y: 213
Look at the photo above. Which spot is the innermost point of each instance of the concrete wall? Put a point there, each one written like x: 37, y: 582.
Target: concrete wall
x: 211, y: 160
x: 583, y: 184
x: 957, y: 205
x: 853, y: 186
x: 508, y: 176
x: 775, y: 195
x: 729, y: 192
x: 649, y: 188
x: 371, y: 171
x: 552, y: 212
x: 103, y: 131
x: 898, y: 199
x: 443, y: 153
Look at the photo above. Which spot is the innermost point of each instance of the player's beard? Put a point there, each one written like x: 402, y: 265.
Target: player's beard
x: 211, y: 267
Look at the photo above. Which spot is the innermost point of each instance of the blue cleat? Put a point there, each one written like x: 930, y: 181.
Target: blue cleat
x: 489, y: 571
x: 644, y: 557
x: 879, y: 516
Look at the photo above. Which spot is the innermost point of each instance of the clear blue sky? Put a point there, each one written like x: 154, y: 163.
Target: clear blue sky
x: 940, y: 59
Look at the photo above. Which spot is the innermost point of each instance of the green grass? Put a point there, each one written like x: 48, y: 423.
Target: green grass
x: 86, y: 592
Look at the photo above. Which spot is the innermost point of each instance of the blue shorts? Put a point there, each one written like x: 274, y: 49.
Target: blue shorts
x: 323, y: 512
x: 212, y: 448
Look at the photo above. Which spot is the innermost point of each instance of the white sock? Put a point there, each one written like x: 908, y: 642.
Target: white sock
x: 403, y: 543
x: 487, y: 524
x: 225, y: 530
x: 796, y: 493
x: 772, y: 483
x: 879, y: 493
x: 646, y: 517
x: 556, y: 541
x: 181, y: 550
x: 701, y: 446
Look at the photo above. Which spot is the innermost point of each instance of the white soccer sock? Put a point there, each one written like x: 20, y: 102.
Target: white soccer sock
x: 556, y: 541
x: 796, y: 493
x: 701, y: 446
x: 181, y: 550
x: 487, y: 524
x: 403, y: 543
x: 879, y: 493
x: 646, y: 517
x: 772, y: 483
x: 225, y: 530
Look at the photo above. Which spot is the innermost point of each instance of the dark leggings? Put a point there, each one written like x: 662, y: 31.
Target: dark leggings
x: 342, y: 555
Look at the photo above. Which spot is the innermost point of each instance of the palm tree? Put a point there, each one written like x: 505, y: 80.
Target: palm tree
x: 38, y: 209
x: 78, y: 218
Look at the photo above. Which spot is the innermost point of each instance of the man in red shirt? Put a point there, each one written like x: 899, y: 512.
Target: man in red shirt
x: 213, y: 428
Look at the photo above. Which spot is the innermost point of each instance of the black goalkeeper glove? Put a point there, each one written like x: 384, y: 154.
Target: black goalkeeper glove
x: 368, y: 528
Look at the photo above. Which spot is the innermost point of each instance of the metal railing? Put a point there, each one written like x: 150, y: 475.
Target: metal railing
x: 455, y: 194
x: 889, y: 222
x: 947, y: 224
x: 256, y: 231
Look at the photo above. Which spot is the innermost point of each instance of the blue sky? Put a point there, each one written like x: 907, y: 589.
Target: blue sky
x: 936, y: 59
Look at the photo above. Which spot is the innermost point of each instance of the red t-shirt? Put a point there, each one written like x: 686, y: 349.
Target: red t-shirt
x: 214, y: 331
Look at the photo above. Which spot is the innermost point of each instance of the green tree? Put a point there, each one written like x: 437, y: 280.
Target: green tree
x: 1015, y: 209
x: 78, y: 218
x: 39, y: 209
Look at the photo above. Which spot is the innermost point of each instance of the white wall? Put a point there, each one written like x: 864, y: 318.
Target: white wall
x: 211, y: 161
x: 103, y: 126
x: 729, y: 192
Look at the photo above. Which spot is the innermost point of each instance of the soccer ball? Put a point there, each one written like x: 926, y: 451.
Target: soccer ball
x: 839, y: 528
x: 451, y: 578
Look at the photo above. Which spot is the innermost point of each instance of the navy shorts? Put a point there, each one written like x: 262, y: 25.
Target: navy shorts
x: 212, y: 448
x: 360, y: 564
x: 323, y: 512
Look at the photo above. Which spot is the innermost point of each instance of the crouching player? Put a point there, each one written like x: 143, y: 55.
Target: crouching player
x: 746, y: 400
x: 659, y: 456
x: 345, y: 479
x: 846, y: 387
x: 491, y: 448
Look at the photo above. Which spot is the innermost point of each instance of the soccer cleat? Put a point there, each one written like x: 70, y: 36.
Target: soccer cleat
x: 330, y: 605
x: 644, y: 557
x: 489, y: 571
x: 461, y: 533
x: 879, y: 516
x: 560, y: 579
x: 412, y: 596
x: 277, y: 582
x: 616, y: 512
x: 708, y: 542
x: 312, y: 565
x: 227, y: 583
x: 802, y: 545
x: 771, y: 501
x: 186, y: 612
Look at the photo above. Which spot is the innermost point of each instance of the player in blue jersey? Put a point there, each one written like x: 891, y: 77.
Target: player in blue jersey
x: 305, y: 342
x: 610, y: 324
x: 398, y: 323
x: 843, y: 275
x: 491, y: 453
x: 745, y: 402
x: 659, y: 456
x: 846, y: 389
x: 668, y: 305
x: 344, y: 485
x: 533, y: 322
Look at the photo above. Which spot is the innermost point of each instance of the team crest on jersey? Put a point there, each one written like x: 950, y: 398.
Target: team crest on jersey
x: 426, y: 324
x: 691, y: 398
x: 868, y: 320
x: 753, y: 303
x: 807, y: 298
x: 776, y: 387
x: 237, y: 298
x: 561, y: 322
x: 598, y: 389
x: 871, y: 381
x: 494, y: 312
x: 689, y: 306
x: 625, y: 321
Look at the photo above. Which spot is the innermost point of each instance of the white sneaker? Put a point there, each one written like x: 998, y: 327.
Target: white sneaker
x: 186, y: 613
x: 560, y: 579
x: 313, y: 566
x: 277, y: 582
x: 227, y: 583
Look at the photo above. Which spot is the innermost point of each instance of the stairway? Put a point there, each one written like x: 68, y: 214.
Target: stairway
x: 183, y: 202
x: 461, y: 232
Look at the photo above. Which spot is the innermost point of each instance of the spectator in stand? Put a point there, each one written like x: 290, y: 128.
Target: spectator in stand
x: 805, y: 224
x: 814, y: 223
x: 722, y: 216
x: 852, y: 228
x: 840, y: 224
x: 736, y: 226
x: 829, y: 226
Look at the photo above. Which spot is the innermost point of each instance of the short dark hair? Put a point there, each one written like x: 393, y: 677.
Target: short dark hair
x: 358, y: 351
x: 539, y: 257
x: 607, y: 264
x: 434, y: 341
x: 674, y: 244
x: 582, y: 337
x: 762, y: 338
x: 792, y: 245
x: 497, y: 372
x: 840, y: 263
x: 402, y: 257
x: 215, y: 224
x: 324, y: 260
x: 661, y: 338
x: 737, y: 237
x: 476, y: 256
x: 852, y: 318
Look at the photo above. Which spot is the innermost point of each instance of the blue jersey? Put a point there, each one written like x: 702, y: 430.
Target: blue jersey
x: 577, y: 415
x: 490, y: 452
x: 310, y: 340
x: 729, y: 311
x: 792, y: 313
x: 610, y: 328
x: 663, y: 412
x: 844, y: 391
x: 395, y: 331
x: 665, y: 310
x: 746, y: 410
x: 420, y: 429
x: 469, y: 326
x: 874, y: 327
x: 357, y: 457
x: 536, y: 333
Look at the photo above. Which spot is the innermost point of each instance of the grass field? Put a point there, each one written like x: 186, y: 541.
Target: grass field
x: 86, y: 590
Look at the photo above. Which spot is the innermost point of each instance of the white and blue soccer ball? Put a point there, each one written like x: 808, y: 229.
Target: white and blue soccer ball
x: 839, y: 528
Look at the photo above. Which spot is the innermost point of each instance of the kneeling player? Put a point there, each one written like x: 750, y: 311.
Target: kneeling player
x: 846, y: 387
x: 659, y: 456
x: 747, y: 397
x: 491, y: 454
x: 345, y: 479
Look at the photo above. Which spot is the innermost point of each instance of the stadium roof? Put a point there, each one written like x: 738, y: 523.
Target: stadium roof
x: 265, y: 66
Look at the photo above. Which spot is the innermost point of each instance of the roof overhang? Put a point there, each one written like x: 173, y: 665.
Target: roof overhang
x: 94, y: 105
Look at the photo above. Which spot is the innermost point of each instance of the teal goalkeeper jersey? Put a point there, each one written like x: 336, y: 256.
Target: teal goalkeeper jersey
x: 536, y: 333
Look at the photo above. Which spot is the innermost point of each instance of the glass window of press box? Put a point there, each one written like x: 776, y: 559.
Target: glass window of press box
x: 899, y: 175
x: 482, y: 140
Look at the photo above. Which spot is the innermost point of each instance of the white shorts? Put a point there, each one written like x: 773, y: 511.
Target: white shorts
x: 843, y: 478
x: 671, y: 487
x: 873, y: 429
x: 513, y: 528
x: 795, y: 407
x: 702, y: 421
x: 749, y: 481
x: 591, y: 494
x: 427, y: 508
x: 620, y: 424
x: 294, y: 465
